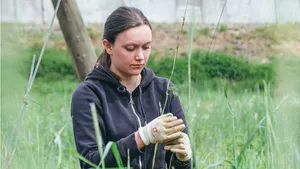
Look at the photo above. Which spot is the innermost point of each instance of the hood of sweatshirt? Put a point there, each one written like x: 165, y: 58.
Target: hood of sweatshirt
x: 105, y: 75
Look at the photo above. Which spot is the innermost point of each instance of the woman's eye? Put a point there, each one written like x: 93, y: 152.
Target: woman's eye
x: 146, y: 47
x: 130, y: 49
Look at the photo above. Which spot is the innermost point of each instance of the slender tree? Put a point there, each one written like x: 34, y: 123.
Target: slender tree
x: 76, y: 36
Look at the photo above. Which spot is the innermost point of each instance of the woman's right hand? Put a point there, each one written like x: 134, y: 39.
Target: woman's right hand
x: 162, y: 129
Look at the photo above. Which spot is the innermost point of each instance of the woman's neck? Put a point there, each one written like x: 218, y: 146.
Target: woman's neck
x: 131, y: 82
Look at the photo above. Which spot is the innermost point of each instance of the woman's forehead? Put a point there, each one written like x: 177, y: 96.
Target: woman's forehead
x: 137, y: 35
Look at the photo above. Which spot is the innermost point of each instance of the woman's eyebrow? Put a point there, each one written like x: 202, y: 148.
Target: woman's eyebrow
x: 132, y: 43
x: 148, y: 43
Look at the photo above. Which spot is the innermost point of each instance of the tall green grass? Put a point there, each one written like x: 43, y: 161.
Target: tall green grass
x: 210, y: 121
x: 240, y: 129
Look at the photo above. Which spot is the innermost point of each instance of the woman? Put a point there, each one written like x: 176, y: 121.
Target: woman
x: 129, y: 99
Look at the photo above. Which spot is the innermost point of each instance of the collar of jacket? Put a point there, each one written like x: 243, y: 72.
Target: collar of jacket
x: 104, y: 74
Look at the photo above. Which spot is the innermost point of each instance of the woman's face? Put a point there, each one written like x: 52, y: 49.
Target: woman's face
x: 130, y: 52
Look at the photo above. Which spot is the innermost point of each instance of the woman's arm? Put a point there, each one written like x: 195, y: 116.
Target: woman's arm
x: 175, y: 107
x: 139, y: 142
x: 84, y: 133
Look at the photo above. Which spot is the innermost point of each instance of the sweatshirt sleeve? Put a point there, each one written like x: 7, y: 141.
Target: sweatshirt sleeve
x: 176, y: 109
x: 84, y: 133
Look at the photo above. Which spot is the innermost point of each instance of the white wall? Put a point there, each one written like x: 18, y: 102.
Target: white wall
x: 206, y: 11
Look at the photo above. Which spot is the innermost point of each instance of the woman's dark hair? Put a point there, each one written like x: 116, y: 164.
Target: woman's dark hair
x: 119, y: 20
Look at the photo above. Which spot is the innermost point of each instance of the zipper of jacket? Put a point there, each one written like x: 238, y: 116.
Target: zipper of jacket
x: 139, y: 121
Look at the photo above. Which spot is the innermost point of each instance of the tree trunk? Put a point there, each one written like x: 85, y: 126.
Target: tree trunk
x: 76, y: 36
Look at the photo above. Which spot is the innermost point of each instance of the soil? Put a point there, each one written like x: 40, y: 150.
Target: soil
x: 234, y: 39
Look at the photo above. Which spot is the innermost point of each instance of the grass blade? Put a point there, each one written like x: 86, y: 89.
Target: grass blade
x: 154, y: 155
x: 113, y: 146
x: 239, y: 158
x: 83, y: 159
x: 214, y: 165
x: 30, y: 83
x: 175, y: 56
x: 270, y: 134
x: 128, y: 159
x: 98, y: 134
x: 59, y: 143
x: 117, y: 154
x: 234, y: 165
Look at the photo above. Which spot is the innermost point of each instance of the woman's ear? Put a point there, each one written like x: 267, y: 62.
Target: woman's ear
x: 108, y: 46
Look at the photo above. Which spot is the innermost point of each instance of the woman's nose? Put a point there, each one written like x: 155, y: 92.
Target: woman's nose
x: 139, y: 55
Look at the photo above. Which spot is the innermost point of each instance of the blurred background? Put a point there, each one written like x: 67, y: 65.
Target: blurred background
x: 168, y: 11
x: 242, y: 101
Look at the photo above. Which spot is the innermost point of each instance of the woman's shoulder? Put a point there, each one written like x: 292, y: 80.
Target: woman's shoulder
x: 159, y: 79
x: 87, y: 87
x: 162, y: 81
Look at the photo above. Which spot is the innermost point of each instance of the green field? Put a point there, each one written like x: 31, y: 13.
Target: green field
x: 228, y: 128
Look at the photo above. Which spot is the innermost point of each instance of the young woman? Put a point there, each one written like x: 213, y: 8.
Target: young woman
x: 129, y: 99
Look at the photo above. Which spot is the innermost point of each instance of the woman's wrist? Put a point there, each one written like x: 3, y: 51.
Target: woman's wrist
x: 139, y: 142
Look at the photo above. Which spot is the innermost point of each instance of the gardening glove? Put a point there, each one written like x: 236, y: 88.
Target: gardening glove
x: 162, y: 129
x: 181, y: 146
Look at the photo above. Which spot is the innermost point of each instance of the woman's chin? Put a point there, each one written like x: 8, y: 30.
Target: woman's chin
x: 136, y: 72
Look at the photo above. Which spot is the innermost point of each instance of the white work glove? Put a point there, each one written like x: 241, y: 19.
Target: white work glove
x: 162, y: 129
x: 181, y: 146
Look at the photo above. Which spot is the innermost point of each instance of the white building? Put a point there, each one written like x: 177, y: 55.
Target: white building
x: 205, y: 11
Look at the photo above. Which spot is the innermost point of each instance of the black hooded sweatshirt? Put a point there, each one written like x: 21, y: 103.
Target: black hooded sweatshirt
x: 120, y: 114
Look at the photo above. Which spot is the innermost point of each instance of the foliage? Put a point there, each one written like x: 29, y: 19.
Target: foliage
x: 223, y: 28
x: 56, y: 64
x: 215, y: 67
x: 279, y: 32
x: 204, y: 31
x: 209, y: 68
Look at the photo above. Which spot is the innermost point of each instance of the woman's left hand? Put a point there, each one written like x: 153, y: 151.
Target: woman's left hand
x: 181, y: 147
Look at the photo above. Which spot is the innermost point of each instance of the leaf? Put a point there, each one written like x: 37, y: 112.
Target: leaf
x: 113, y: 146
x: 97, y: 133
x: 214, y: 165
x: 154, y: 156
x: 82, y: 158
x: 239, y: 158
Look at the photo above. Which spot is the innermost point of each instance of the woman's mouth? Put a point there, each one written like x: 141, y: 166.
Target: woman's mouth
x: 137, y: 65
